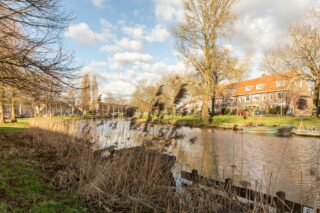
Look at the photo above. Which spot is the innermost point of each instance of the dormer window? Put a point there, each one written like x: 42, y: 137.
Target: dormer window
x: 279, y: 83
x: 259, y: 86
x: 248, y: 88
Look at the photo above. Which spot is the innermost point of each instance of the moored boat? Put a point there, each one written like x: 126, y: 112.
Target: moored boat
x: 307, y: 132
x: 276, y: 130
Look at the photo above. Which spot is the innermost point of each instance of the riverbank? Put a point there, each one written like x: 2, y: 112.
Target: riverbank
x: 228, y: 121
x: 136, y: 179
x: 25, y: 177
x: 51, y: 171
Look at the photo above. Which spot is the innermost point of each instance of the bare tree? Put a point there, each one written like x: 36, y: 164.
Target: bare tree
x: 71, y: 99
x: 85, y: 93
x: 142, y: 96
x: 95, y: 94
x: 2, y: 97
x: 31, y: 52
x: 300, y: 54
x: 206, y: 21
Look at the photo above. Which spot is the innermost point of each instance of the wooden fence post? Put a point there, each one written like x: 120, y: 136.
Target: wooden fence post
x: 194, y: 176
x: 228, y: 185
x: 280, y: 202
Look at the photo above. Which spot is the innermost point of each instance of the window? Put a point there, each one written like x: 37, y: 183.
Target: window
x: 271, y: 97
x: 256, y: 97
x: 248, y: 88
x: 259, y: 86
x: 229, y: 91
x: 279, y: 83
x: 280, y: 95
x: 247, y: 98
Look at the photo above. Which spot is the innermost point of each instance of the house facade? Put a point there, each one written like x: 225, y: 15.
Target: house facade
x: 281, y: 91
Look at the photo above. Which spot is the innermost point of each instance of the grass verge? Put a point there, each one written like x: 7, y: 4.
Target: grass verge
x: 225, y: 120
x: 25, y: 180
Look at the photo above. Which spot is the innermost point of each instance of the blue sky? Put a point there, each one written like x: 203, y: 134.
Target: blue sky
x: 125, y: 42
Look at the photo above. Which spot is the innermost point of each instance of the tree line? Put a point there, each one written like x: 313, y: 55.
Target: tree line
x: 33, y: 61
x: 199, y: 39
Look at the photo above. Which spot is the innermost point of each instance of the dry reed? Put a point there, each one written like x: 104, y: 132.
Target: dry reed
x: 129, y: 180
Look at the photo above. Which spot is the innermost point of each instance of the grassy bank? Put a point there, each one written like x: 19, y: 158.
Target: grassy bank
x: 25, y: 178
x: 230, y: 120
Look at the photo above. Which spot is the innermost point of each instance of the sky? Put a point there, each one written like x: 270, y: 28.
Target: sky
x: 126, y: 42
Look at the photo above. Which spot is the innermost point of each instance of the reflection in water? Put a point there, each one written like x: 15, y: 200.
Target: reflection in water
x: 276, y: 163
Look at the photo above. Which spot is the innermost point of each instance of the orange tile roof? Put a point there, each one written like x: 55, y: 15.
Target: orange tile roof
x: 268, y: 82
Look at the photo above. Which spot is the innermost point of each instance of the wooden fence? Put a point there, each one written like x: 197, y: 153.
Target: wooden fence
x: 279, y: 202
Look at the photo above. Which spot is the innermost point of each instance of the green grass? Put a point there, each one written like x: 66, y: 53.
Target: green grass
x: 25, y: 181
x: 230, y: 120
x: 20, y: 125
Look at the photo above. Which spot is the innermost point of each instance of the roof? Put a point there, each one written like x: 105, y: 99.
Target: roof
x: 267, y: 82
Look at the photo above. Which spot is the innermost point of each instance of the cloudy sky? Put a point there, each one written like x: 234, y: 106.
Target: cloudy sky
x: 126, y: 41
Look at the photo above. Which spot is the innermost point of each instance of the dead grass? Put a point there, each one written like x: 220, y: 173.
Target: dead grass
x: 129, y: 180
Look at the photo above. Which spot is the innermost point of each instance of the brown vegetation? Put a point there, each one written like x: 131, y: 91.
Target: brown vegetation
x: 130, y: 180
x: 137, y: 179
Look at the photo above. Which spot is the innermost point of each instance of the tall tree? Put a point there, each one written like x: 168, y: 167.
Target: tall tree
x: 71, y: 99
x: 13, y: 104
x: 206, y: 21
x: 300, y: 54
x: 94, y: 94
x: 2, y: 97
x: 31, y: 51
x: 85, y: 93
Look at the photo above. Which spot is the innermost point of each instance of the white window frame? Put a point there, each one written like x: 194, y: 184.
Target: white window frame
x: 248, y: 88
x: 279, y: 83
x: 282, y: 95
x: 259, y: 86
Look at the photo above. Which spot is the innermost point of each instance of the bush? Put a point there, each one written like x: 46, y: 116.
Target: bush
x: 225, y: 111
x: 277, y: 110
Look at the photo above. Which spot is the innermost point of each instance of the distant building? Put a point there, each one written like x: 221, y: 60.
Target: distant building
x: 282, y: 91
x: 285, y: 91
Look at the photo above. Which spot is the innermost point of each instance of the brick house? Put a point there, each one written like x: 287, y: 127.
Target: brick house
x: 285, y: 91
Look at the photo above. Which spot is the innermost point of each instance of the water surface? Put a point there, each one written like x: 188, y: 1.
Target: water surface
x: 267, y: 162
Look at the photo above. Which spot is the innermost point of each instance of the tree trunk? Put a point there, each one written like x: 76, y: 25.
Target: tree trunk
x: 20, y: 108
x: 37, y: 110
x: 13, y: 112
x: 213, y: 104
x: 205, y: 108
x: 1, y: 113
x: 174, y: 110
x: 316, y: 98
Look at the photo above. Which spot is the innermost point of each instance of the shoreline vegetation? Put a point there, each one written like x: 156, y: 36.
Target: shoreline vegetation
x: 47, y: 170
x: 219, y: 121
x: 229, y: 121
x: 54, y: 171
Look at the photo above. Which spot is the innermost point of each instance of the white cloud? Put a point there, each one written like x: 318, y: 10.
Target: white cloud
x: 122, y: 81
x: 98, y: 3
x: 123, y: 44
x: 82, y: 33
x: 135, y: 32
x: 131, y: 57
x: 262, y: 25
x: 159, y: 34
x: 169, y: 10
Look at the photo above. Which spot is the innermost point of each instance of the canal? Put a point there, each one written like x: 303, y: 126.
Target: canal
x: 264, y: 162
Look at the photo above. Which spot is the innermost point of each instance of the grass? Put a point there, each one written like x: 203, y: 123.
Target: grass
x: 230, y: 120
x: 25, y: 180
x: 20, y: 125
